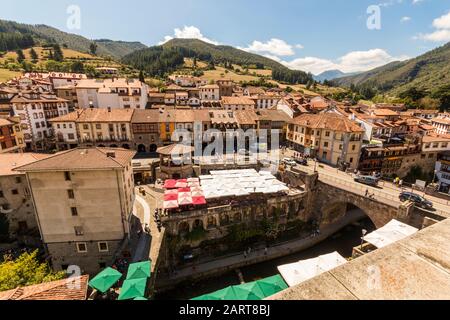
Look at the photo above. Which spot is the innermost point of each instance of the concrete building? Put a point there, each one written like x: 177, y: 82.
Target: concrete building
x: 331, y: 138
x: 264, y: 102
x: 443, y: 172
x: 84, y: 202
x: 15, y: 195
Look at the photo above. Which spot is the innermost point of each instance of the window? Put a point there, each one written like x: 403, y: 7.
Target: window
x: 351, y: 160
x: 73, y: 210
x: 18, y: 180
x: 81, y: 247
x: 325, y: 144
x: 79, y: 231
x: 353, y: 148
x: 71, y: 136
x: 103, y: 247
x: 67, y: 176
x: 85, y: 127
x: 70, y: 194
x: 15, y: 191
x: 1, y: 194
x: 98, y: 126
x: 327, y: 133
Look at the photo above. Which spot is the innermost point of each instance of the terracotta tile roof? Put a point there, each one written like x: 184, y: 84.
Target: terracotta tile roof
x: 104, y: 115
x: 66, y: 289
x: 331, y: 121
x: 246, y: 117
x: 175, y: 149
x: 210, y: 86
x: 5, y: 122
x: 237, y: 101
x: 319, y: 103
x: 145, y: 116
x: 255, y: 90
x: 273, y: 115
x: 385, y: 112
x: 82, y: 159
x: 436, y: 138
x: 40, y: 98
x: 10, y: 161
x: 70, y: 117
x: 444, y: 121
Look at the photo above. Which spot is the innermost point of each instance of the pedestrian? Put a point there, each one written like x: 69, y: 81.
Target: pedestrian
x: 265, y: 251
x: 249, y: 251
x: 400, y: 183
x: 367, y: 192
x: 245, y: 254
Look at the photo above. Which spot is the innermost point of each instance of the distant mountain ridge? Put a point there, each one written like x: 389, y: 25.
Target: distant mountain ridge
x: 332, y: 74
x: 426, y: 72
x: 41, y: 34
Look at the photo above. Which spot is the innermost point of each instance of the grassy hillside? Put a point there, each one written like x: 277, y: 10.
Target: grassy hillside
x: 165, y: 59
x: 42, y: 34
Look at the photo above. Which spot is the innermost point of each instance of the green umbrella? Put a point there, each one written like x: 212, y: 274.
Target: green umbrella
x: 224, y: 294
x: 248, y: 291
x: 206, y: 297
x: 105, y: 279
x: 139, y: 270
x: 272, y: 285
x: 140, y: 299
x: 133, y: 289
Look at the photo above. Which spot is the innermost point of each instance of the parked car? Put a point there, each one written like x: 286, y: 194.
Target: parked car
x: 368, y: 180
x: 419, y: 201
x: 289, y: 162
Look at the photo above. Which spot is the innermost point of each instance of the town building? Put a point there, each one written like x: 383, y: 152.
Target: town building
x: 84, y: 203
x: 263, y: 102
x: 210, y: 92
x: 225, y: 87
x: 11, y: 135
x: 331, y: 138
x: 35, y: 110
x: 112, y: 93
x: 238, y: 103
x: 442, y: 172
x: 15, y: 195
x: 145, y: 129
x: 441, y: 125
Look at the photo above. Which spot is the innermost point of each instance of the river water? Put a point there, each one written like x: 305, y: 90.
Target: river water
x: 343, y: 242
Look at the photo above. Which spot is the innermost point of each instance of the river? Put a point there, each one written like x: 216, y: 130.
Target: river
x: 343, y: 242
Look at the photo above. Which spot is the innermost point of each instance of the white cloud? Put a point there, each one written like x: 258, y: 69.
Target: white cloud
x: 299, y: 46
x: 351, y: 62
x: 442, y: 32
x: 405, y: 19
x: 417, y: 1
x: 442, y: 22
x: 188, y: 32
x: 275, y: 47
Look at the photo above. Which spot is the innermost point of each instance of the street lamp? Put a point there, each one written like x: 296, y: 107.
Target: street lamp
x: 364, y: 232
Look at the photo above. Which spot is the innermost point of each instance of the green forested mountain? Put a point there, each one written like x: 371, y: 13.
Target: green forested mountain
x: 425, y: 73
x: 20, y: 36
x: 159, y: 60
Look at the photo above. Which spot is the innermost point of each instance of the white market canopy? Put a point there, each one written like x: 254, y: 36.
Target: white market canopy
x: 392, y: 232
x: 296, y: 273
x: 226, y: 183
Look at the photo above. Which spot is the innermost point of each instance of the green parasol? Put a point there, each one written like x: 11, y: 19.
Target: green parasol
x: 139, y: 270
x: 133, y: 289
x: 105, y: 280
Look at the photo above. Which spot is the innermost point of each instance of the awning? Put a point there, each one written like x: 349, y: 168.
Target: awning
x: 185, y: 201
x: 198, y: 200
x: 392, y: 232
x: 181, y: 184
x: 170, y: 204
x: 296, y: 273
x: 171, y: 197
x: 170, y: 184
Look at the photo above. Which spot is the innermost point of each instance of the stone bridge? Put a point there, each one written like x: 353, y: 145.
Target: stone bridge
x: 331, y: 197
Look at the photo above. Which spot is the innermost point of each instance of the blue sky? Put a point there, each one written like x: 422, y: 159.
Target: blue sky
x: 312, y: 35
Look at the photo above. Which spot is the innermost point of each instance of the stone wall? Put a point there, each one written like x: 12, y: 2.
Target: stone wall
x: 66, y: 254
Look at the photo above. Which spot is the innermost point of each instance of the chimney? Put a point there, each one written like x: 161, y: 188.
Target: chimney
x: 109, y: 109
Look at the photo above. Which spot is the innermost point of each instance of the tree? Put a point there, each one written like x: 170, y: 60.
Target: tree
x: 57, y: 53
x: 20, y: 56
x: 77, y: 67
x: 25, y: 271
x: 141, y: 76
x: 93, y: 48
x: 34, y: 55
